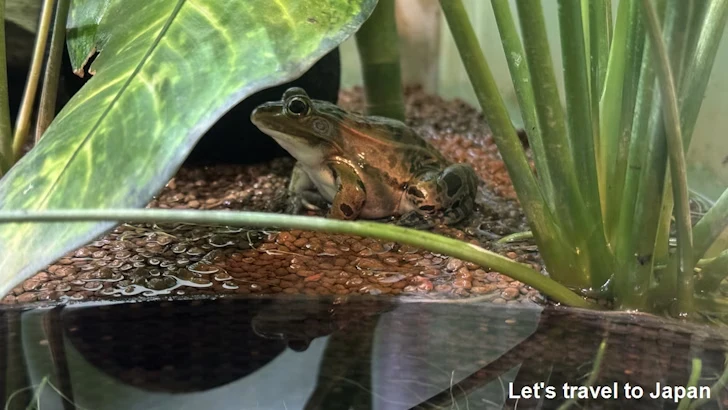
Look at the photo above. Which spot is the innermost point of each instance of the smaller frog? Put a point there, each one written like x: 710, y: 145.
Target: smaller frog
x: 366, y: 166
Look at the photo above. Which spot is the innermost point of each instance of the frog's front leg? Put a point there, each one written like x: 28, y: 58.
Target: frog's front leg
x: 350, y: 192
x: 301, y: 193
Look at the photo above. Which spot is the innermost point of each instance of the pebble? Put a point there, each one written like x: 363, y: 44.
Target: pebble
x: 454, y: 264
x: 510, y: 293
x: 26, y: 297
x: 462, y: 284
x: 483, y: 289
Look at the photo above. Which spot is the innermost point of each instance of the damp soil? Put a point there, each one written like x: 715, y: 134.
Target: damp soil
x: 150, y: 261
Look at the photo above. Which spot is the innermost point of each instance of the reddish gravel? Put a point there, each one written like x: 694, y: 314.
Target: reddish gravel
x: 142, y: 260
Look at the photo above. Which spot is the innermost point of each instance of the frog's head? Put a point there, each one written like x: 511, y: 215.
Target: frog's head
x: 299, y: 124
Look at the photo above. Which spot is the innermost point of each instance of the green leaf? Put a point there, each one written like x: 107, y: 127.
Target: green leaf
x: 168, y: 71
x: 83, y: 29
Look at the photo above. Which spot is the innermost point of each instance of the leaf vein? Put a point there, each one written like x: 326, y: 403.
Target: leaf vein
x: 129, y: 80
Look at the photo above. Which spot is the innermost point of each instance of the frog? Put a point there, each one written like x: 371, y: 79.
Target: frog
x: 364, y: 166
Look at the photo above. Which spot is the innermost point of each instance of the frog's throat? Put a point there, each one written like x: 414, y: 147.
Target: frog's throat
x: 299, y: 148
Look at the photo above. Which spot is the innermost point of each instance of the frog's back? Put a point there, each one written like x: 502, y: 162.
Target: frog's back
x: 389, y: 132
x: 395, y: 130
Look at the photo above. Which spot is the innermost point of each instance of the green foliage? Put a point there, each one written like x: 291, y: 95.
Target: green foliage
x: 611, y: 166
x: 84, y: 37
x: 378, y: 46
x: 167, y: 71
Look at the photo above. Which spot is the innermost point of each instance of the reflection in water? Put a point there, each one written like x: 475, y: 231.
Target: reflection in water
x: 333, y: 353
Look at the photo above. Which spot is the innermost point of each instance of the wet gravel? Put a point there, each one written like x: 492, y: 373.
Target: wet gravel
x: 145, y: 260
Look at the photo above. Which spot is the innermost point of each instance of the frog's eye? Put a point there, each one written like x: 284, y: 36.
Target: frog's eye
x: 297, y: 106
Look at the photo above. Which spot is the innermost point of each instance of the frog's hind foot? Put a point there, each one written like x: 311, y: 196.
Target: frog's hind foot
x: 416, y: 220
x: 456, y: 215
x: 458, y: 187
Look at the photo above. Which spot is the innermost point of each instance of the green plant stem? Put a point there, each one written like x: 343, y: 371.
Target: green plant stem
x: 696, y: 19
x: 516, y: 237
x: 425, y: 240
x: 548, y: 107
x: 583, y: 135
x: 711, y: 226
x: 630, y: 288
x: 593, y: 375
x: 699, y: 64
x: 661, y: 250
x: 651, y: 194
x: 52, y: 71
x: 612, y: 115
x: 518, y: 67
x: 579, y: 118
x: 624, y: 89
x: 692, y: 382
x: 715, y: 388
x: 678, y: 169
x: 704, y: 31
x: 676, y: 26
x: 711, y: 304
x: 6, y: 133
x: 22, y: 124
x: 549, y: 236
x: 598, y: 37
x: 712, y: 274
x: 585, y: 236
x: 378, y: 46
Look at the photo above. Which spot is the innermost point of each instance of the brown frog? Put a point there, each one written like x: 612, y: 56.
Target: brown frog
x: 366, y: 166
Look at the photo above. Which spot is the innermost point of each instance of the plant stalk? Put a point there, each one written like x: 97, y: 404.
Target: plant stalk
x: 692, y: 382
x: 598, y: 38
x: 518, y: 67
x: 712, y: 274
x: 676, y: 32
x: 578, y: 102
x: 22, y: 124
x: 715, y: 388
x: 616, y: 108
x: 700, y: 59
x: 651, y: 181
x: 585, y: 236
x: 52, y: 71
x: 711, y: 226
x: 413, y: 237
x: 549, y: 236
x: 548, y: 108
x: 593, y: 374
x: 6, y: 132
x: 678, y: 170
x: 378, y: 45
x: 629, y: 288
